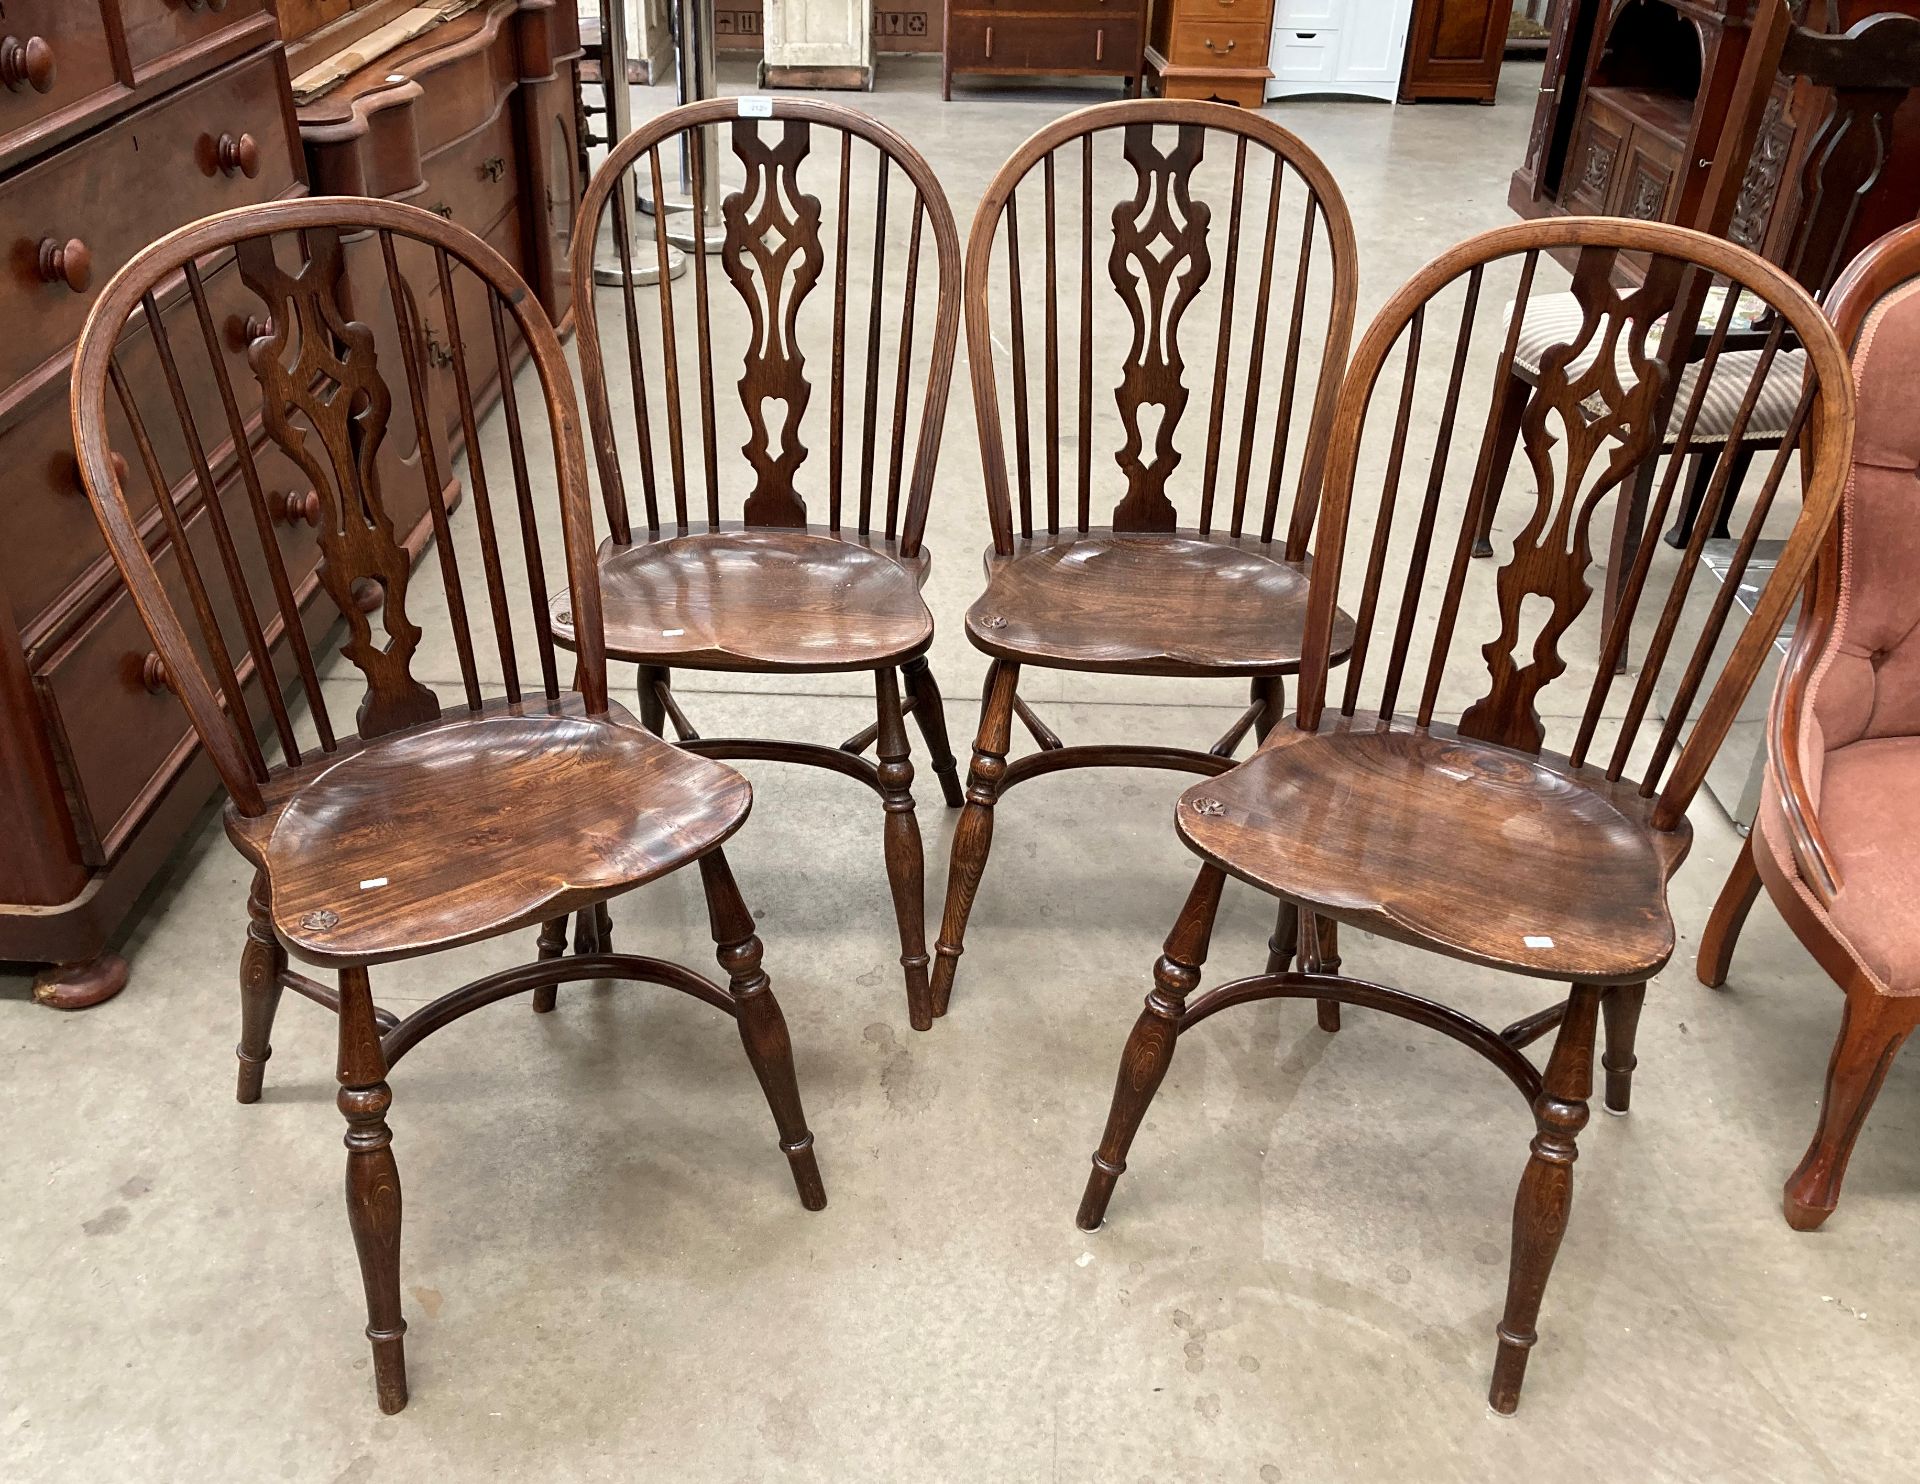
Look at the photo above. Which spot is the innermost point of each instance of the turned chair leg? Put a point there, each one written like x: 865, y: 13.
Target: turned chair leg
x: 1512, y: 410
x: 1285, y: 941
x: 1729, y: 915
x: 653, y: 711
x: 1621, y: 1009
x: 262, y: 962
x: 1318, y: 940
x: 1149, y: 1049
x: 553, y: 943
x: 373, y: 1185
x: 763, y: 1029
x: 930, y: 713
x: 1546, y: 1191
x: 973, y: 835
x: 906, y: 864
x: 1872, y: 1028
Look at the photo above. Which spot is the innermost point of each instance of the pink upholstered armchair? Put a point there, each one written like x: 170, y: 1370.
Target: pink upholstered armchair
x: 1837, y: 841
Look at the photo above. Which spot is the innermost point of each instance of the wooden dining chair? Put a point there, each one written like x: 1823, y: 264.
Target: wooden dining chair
x: 420, y: 821
x: 1229, y: 258
x: 777, y: 561
x: 1834, y: 842
x: 1422, y: 802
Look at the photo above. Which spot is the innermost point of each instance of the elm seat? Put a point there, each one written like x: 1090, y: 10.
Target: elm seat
x: 1554, y: 319
x: 760, y: 599
x: 1382, y: 829
x: 349, y: 844
x: 1145, y: 603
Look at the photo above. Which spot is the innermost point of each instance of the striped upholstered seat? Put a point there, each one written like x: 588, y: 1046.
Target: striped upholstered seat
x: 1554, y: 319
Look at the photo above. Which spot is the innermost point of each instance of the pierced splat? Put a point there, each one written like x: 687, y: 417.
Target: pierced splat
x: 1597, y: 412
x: 773, y: 256
x: 317, y: 373
x: 1158, y: 263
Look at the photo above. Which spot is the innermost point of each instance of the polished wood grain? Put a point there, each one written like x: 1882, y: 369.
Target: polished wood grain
x: 420, y: 823
x: 1789, y: 853
x: 818, y: 566
x: 1157, y: 582
x: 1367, y: 808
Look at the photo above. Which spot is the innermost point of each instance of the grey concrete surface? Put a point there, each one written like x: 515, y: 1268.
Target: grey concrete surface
x: 607, y: 1276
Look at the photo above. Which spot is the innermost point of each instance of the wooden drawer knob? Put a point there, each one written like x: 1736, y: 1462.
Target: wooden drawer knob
x: 237, y: 154
x: 291, y: 509
x: 243, y: 332
x: 368, y: 594
x: 216, y: 6
x: 69, y: 262
x: 154, y: 676
x: 26, y: 64
x: 118, y: 465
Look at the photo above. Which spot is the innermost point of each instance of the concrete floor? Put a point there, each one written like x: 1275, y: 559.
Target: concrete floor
x: 608, y: 1276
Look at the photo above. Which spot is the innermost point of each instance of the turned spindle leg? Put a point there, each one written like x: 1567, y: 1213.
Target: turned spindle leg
x: 906, y: 865
x: 1621, y: 1010
x: 763, y: 1029
x: 553, y: 943
x: 1319, y: 939
x: 373, y: 1185
x: 1546, y: 1191
x: 262, y: 962
x: 973, y: 835
x: 930, y: 714
x: 1149, y: 1049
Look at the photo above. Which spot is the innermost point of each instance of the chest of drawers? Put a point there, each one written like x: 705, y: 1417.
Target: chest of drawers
x: 1060, y: 37
x: 1211, y: 49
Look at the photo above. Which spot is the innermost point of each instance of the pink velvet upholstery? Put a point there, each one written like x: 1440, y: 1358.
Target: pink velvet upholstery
x: 1861, y: 757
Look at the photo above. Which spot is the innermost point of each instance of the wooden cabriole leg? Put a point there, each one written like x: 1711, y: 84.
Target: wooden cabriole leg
x: 973, y: 835
x: 1621, y: 1008
x: 906, y: 864
x: 763, y: 1029
x: 930, y: 713
x: 1546, y: 1190
x: 262, y: 962
x: 373, y: 1184
x: 553, y: 943
x: 1872, y: 1028
x: 1149, y: 1049
x: 1729, y: 915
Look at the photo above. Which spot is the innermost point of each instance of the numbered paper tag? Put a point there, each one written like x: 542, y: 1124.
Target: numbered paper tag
x: 755, y: 107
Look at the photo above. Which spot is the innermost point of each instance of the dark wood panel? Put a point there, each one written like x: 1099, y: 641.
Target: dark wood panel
x: 156, y: 29
x: 1454, y: 49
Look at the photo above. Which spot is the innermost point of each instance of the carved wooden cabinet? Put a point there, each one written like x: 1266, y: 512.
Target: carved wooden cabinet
x: 1063, y: 37
x: 120, y: 120
x: 1212, y: 49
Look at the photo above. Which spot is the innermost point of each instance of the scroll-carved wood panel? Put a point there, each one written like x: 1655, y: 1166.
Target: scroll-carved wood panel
x: 772, y: 255
x: 318, y: 374
x: 1158, y: 264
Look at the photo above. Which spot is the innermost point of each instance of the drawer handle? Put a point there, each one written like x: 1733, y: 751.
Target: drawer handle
x: 494, y: 167
x: 1221, y: 50
x: 237, y: 154
x: 367, y: 593
x: 293, y: 510
x: 26, y: 64
x: 153, y: 675
x: 114, y: 461
x: 438, y: 356
x: 441, y: 209
x: 243, y: 332
x: 1100, y: 45
x: 989, y: 41
x: 69, y: 262
x: 216, y: 6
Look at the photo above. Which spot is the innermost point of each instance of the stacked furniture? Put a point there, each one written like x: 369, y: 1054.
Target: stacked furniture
x: 1354, y: 47
x: 120, y: 120
x: 1099, y: 38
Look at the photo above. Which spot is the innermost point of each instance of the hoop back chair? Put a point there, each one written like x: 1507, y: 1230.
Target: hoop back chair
x: 779, y: 560
x: 421, y: 821
x: 1228, y: 261
x: 1459, y: 831
x: 1834, y: 840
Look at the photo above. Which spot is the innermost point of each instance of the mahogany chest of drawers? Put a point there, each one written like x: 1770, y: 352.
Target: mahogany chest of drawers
x: 1063, y: 37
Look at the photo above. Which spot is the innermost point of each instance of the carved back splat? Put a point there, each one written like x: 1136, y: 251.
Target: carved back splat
x: 1158, y: 263
x: 1598, y: 415
x: 333, y: 385
x: 772, y: 254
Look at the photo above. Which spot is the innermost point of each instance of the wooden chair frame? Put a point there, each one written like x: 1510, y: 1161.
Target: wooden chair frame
x: 1875, y: 1021
x: 327, y: 412
x: 893, y: 493
x: 1264, y: 823
x: 1153, y: 376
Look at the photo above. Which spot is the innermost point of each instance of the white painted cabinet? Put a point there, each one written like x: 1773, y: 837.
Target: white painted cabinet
x: 1338, y: 46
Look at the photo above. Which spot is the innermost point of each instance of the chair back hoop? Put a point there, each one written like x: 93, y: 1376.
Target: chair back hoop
x: 1591, y: 426
x: 323, y: 364
x: 1166, y: 251
x: 779, y: 239
x: 1888, y: 267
